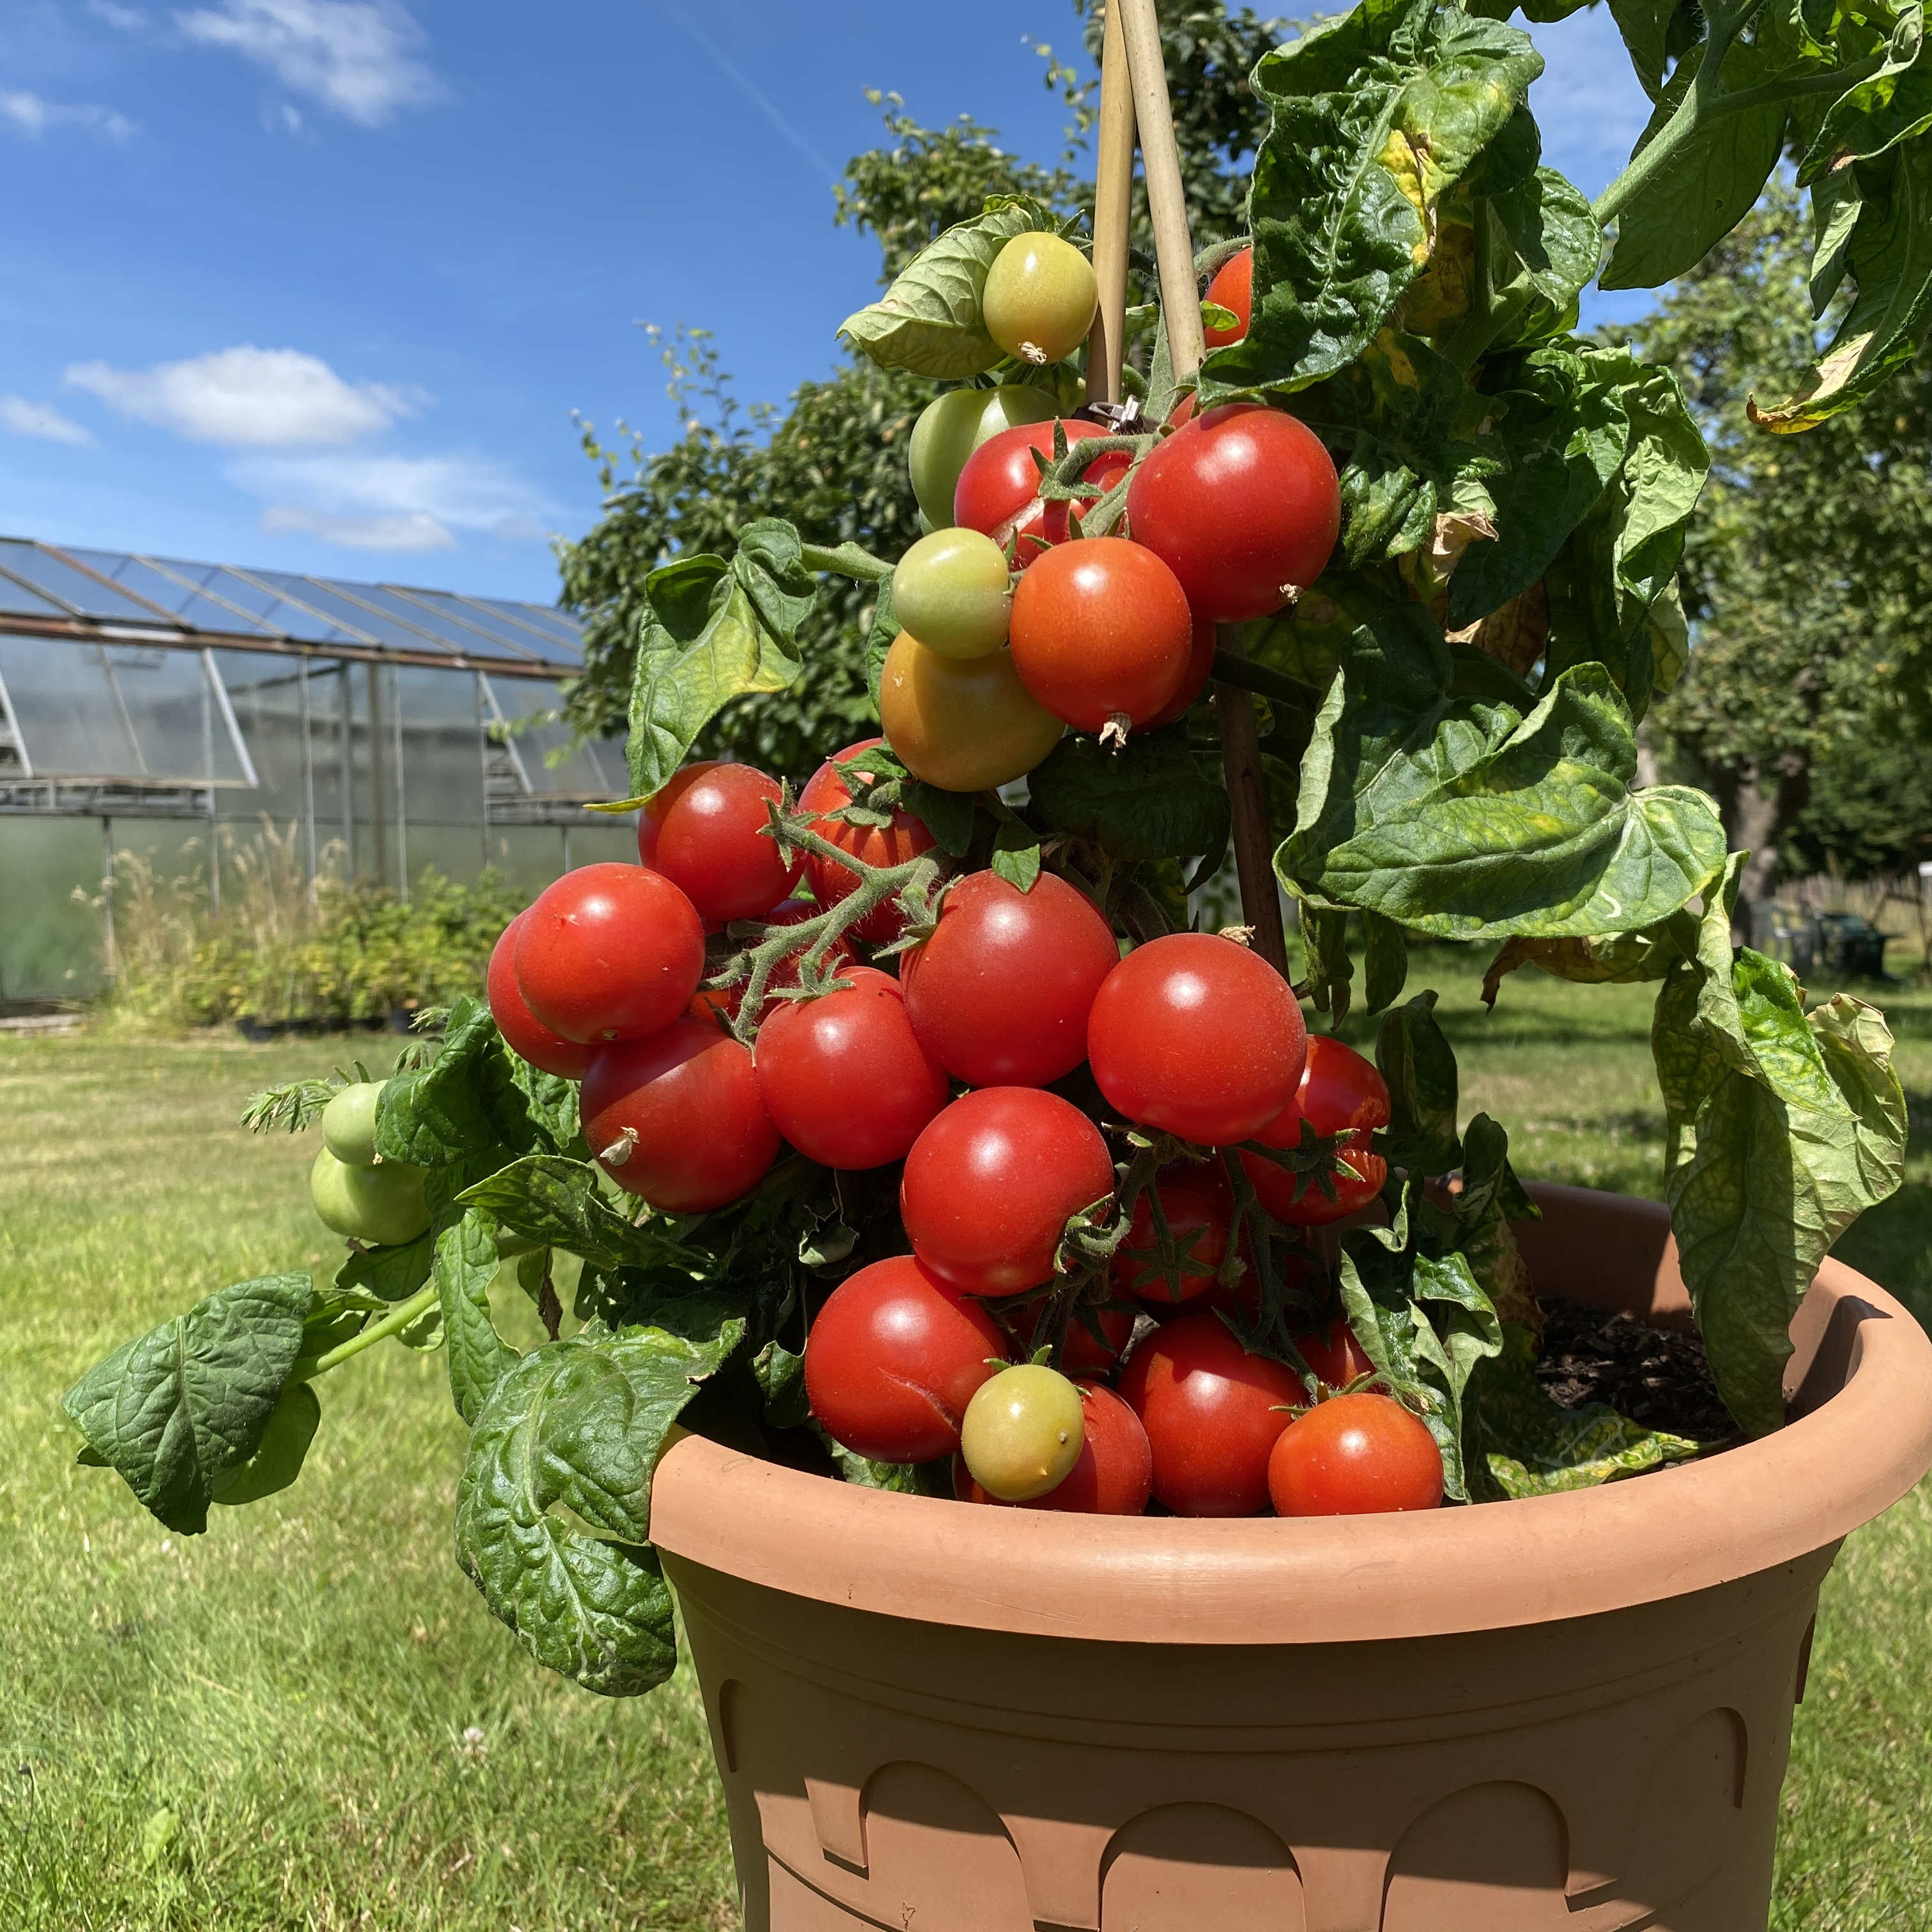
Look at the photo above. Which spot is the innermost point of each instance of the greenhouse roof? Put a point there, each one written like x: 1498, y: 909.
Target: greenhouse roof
x: 97, y: 596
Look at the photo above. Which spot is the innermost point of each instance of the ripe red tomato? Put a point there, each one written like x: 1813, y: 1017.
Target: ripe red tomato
x: 999, y: 995
x: 1100, y: 632
x: 702, y: 832
x: 1355, y: 1455
x: 990, y: 1184
x: 1198, y: 1036
x: 1336, y: 1357
x: 1199, y: 1206
x: 677, y: 1118
x: 893, y: 1358
x: 1212, y: 1412
x: 1114, y: 1477
x: 523, y: 1032
x: 998, y: 490
x: 609, y: 952
x: 1340, y: 1092
x: 906, y: 838
x: 843, y: 1076
x: 1242, y: 504
x: 1233, y: 288
x: 1193, y: 680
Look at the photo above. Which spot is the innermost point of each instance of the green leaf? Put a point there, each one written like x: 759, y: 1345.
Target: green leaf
x: 1150, y: 800
x: 179, y: 1407
x: 929, y: 320
x: 559, y: 1203
x: 389, y: 1274
x: 1016, y: 853
x: 279, y: 1456
x: 578, y: 1425
x: 1460, y: 817
x: 467, y: 1261
x: 905, y: 1479
x: 1552, y: 248
x: 1892, y: 106
x: 1385, y: 961
x: 1645, y: 27
x: 1418, y: 1066
x: 879, y: 636
x: 551, y: 1101
x: 466, y: 1103
x: 1375, y: 117
x: 1684, y: 210
x: 1324, y: 949
x: 780, y: 1378
x: 1535, y: 1447
x: 714, y: 631
x: 948, y: 815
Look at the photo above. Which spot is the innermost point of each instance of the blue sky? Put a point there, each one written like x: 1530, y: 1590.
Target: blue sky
x: 317, y: 284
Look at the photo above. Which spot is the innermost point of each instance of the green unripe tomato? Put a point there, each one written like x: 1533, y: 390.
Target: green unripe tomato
x: 950, y: 429
x: 381, y: 1206
x: 1040, y: 297
x: 950, y: 592
x: 1023, y: 1432
x: 349, y: 1124
x: 277, y: 1459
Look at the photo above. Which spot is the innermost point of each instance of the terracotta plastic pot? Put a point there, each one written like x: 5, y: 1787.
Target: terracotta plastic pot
x: 1568, y: 1715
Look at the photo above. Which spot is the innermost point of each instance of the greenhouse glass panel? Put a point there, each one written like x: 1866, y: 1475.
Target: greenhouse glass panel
x: 555, y: 766
x: 326, y: 598
x: 553, y: 626
x: 66, y: 585
x: 443, y: 749
x: 16, y: 600
x: 439, y: 624
x: 159, y: 587
x: 265, y: 693
x: 517, y: 640
x: 272, y: 610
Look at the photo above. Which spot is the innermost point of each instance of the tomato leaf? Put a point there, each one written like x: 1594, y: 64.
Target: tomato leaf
x: 880, y: 635
x: 1385, y: 961
x: 279, y: 1456
x: 466, y: 1260
x: 1418, y: 1066
x: 467, y: 1102
x: 1324, y: 949
x: 948, y: 815
x: 1550, y: 247
x: 1462, y: 818
x: 1016, y: 853
x: 389, y: 1274
x: 559, y: 1203
x: 1149, y: 799
x: 781, y: 1379
x: 929, y: 321
x: 175, y: 1409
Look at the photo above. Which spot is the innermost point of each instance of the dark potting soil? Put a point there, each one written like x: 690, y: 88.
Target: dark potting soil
x: 1658, y: 1377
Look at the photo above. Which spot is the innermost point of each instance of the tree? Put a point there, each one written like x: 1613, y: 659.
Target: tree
x: 834, y: 464
x: 1807, y: 572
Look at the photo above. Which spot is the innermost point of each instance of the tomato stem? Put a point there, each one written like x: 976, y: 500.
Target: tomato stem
x: 398, y: 1319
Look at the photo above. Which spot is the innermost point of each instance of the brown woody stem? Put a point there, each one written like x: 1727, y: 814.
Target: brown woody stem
x: 1247, y: 799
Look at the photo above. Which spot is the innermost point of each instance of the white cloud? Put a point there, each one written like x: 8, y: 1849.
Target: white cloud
x: 413, y: 532
x: 248, y: 398
x: 40, y: 419
x: 356, y: 56
x: 122, y: 20
x: 29, y: 114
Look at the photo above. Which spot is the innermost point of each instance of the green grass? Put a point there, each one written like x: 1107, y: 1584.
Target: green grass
x: 302, y: 1690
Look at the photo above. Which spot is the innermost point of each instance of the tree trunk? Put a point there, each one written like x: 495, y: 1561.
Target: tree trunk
x: 1756, y: 819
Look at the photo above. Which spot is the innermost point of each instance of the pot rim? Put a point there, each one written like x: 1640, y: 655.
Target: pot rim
x: 1861, y: 1357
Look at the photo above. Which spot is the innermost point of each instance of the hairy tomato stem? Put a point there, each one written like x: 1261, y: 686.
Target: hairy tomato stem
x: 398, y: 1319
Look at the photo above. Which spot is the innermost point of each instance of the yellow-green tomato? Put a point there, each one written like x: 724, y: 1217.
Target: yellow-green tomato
x: 380, y: 1205
x: 961, y: 724
x: 1040, y: 298
x: 1023, y: 1432
x: 950, y: 591
x: 349, y: 1124
x: 949, y: 430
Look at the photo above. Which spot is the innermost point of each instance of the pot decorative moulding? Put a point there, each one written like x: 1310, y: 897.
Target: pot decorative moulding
x: 1566, y: 1714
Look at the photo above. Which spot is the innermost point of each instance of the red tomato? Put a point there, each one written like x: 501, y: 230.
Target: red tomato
x: 1336, y: 1357
x: 1114, y: 1477
x: 1193, y: 680
x: 1101, y: 632
x: 998, y: 490
x: 677, y: 1118
x: 1242, y: 504
x: 990, y: 1184
x: 609, y: 952
x: 1198, y: 1036
x: 843, y: 1076
x: 523, y: 1033
x: 1199, y: 1206
x: 1233, y: 288
x: 1340, y: 1092
x: 999, y: 995
x: 906, y: 838
x: 1212, y: 1412
x: 892, y: 1360
x: 1355, y: 1455
x: 702, y: 832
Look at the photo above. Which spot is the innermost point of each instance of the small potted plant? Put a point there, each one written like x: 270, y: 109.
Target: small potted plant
x: 1089, y: 1421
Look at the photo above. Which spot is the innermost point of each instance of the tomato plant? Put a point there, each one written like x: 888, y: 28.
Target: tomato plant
x: 1243, y: 504
x: 706, y: 831
x: 999, y: 995
x: 843, y: 1077
x: 991, y: 1183
x: 998, y: 491
x: 1212, y: 1412
x: 1354, y: 1455
x: 904, y: 837
x: 894, y: 1357
x: 1114, y: 1475
x: 1340, y: 1093
x: 381, y: 1206
x: 677, y: 1118
x: 523, y: 1033
x: 1199, y: 1037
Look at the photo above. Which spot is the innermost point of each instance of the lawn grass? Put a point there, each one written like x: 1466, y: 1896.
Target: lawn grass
x: 307, y: 1718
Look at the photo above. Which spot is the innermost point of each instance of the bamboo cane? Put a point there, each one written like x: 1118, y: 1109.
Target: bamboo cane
x: 1113, y: 214
x: 1180, y: 306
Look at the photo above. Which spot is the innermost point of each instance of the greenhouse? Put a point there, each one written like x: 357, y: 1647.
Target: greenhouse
x: 175, y: 712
